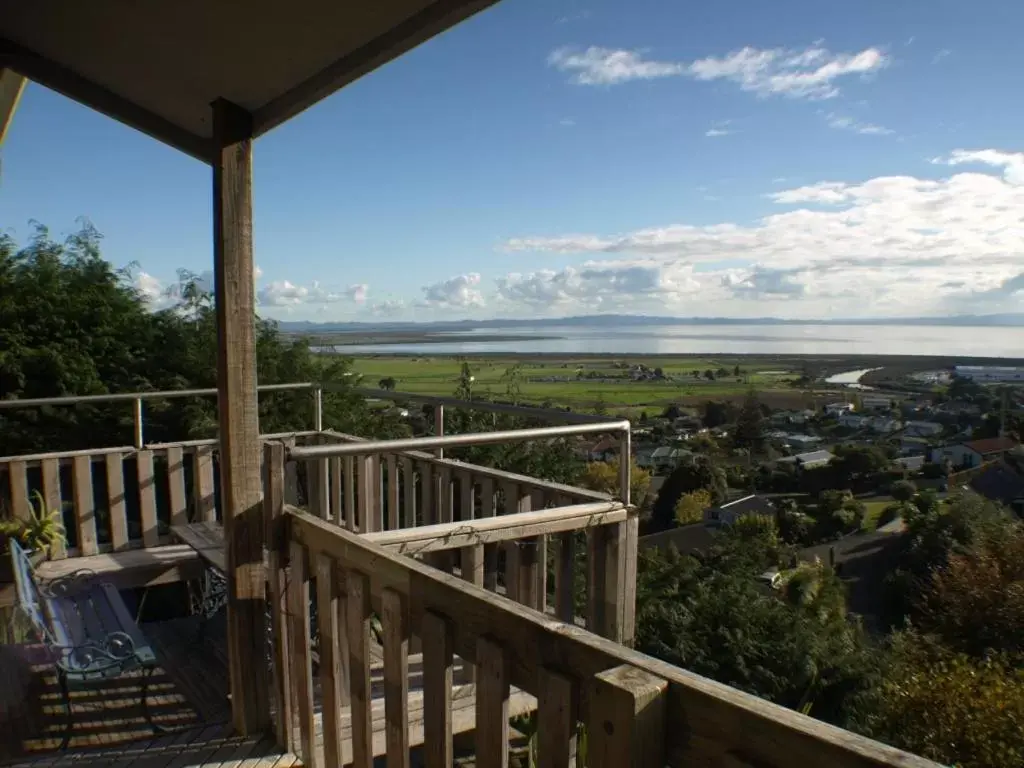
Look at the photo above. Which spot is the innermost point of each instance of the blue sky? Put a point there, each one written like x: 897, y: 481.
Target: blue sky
x: 740, y: 157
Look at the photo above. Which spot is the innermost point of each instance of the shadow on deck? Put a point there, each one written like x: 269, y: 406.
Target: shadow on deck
x: 188, y: 691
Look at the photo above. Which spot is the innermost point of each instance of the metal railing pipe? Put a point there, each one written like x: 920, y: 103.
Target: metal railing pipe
x: 454, y: 441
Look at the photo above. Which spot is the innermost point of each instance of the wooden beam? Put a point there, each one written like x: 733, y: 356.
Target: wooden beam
x: 68, y: 83
x: 432, y: 20
x: 240, y: 471
x: 11, y: 87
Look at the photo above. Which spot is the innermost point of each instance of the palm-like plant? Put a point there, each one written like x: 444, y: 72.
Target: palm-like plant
x: 40, y: 531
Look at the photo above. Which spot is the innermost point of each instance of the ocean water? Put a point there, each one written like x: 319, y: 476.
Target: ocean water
x: 734, y: 339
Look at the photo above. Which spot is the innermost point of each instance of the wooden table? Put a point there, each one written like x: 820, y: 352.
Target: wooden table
x: 207, y: 539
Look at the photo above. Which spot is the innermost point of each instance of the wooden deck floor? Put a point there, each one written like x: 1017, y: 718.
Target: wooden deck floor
x: 189, y: 694
x: 189, y: 689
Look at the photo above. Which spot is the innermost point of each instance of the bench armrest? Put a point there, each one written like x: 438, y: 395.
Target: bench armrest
x: 96, y: 657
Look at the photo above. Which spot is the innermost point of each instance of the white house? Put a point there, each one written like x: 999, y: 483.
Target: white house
x: 810, y: 460
x: 835, y: 409
x: 974, y: 453
x: 988, y: 373
x: 852, y: 420
x: 876, y: 402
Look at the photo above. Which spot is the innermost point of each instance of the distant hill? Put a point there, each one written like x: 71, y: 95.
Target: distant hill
x: 1006, y: 320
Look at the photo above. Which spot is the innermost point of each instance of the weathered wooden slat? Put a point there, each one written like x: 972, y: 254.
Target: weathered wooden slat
x: 350, y: 493
x: 437, y: 689
x: 336, y: 508
x: 565, y: 576
x: 176, y: 485
x: 114, y: 465
x: 17, y: 476
x: 528, y: 592
x: 205, y: 500
x: 428, y: 508
x: 556, y: 721
x: 370, y: 510
x: 492, y: 698
x: 50, y: 469
x: 358, y: 629
x: 409, y: 482
x: 488, y: 509
x: 302, y: 669
x: 626, y: 719
x: 85, y: 506
x: 628, y: 597
x: 331, y: 680
x: 147, y: 499
x: 394, y: 491
x: 277, y: 560
x: 319, y: 499
x: 395, y: 619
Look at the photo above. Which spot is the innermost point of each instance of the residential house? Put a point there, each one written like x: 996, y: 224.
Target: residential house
x: 922, y: 429
x: 835, y: 409
x: 1002, y: 481
x: 852, y: 420
x: 989, y: 373
x: 909, y: 463
x: 667, y: 458
x: 727, y: 514
x: 877, y: 403
x: 802, y: 441
x: 974, y: 453
x: 604, y: 449
x: 914, y: 446
x: 810, y: 460
x: 687, y: 539
x: 873, y: 423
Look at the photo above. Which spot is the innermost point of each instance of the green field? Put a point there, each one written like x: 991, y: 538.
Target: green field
x: 439, y: 376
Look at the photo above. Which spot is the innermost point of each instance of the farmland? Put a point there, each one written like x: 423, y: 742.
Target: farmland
x: 582, y: 382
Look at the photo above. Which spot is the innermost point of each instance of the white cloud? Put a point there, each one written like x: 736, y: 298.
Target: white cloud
x: 459, y: 292
x: 940, y: 55
x: 600, y: 285
x: 388, y: 308
x: 887, y: 245
x: 846, y: 123
x: 283, y: 293
x: 1012, y: 163
x: 720, y: 128
x: 607, y: 66
x: 809, y: 73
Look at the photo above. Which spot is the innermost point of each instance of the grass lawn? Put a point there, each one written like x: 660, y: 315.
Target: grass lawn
x: 556, y: 381
x: 874, y: 511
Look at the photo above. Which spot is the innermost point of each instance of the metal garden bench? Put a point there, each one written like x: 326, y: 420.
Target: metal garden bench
x: 86, y: 626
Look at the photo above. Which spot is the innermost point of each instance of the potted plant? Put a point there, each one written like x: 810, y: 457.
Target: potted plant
x: 37, y: 534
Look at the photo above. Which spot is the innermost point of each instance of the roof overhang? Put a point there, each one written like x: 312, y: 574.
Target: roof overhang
x: 158, y: 66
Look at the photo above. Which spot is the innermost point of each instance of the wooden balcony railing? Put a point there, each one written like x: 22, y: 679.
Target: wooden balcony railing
x: 592, y: 695
x: 123, y: 498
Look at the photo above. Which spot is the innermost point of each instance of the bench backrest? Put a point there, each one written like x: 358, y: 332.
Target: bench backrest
x: 29, y: 598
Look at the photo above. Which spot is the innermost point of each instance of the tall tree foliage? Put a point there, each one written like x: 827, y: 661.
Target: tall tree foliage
x: 71, y: 324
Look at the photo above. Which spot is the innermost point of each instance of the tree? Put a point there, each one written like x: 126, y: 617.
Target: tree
x: 713, y: 619
x: 717, y: 413
x: 903, y: 490
x: 603, y: 476
x: 948, y: 706
x: 749, y: 430
x: 709, y: 375
x: 659, y: 373
x: 736, y: 371
x: 387, y: 383
x: 70, y: 324
x: 975, y: 602
x: 691, y: 506
x: 698, y: 474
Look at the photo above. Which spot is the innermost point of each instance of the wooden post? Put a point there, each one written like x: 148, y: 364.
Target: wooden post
x: 11, y: 87
x: 241, y: 494
x: 626, y: 725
